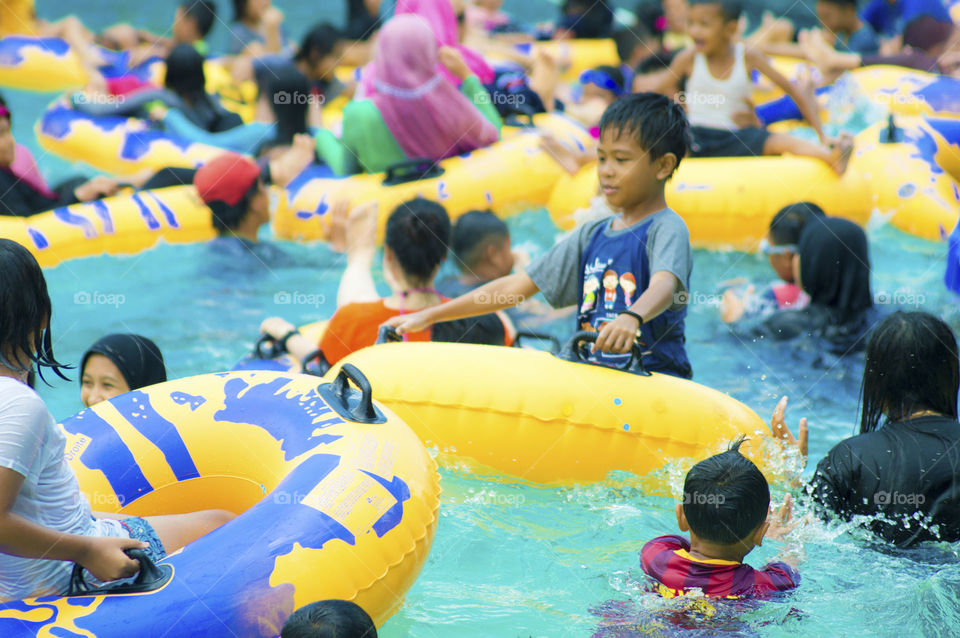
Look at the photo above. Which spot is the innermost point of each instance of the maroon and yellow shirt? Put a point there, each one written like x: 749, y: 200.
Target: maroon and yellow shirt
x: 666, y: 559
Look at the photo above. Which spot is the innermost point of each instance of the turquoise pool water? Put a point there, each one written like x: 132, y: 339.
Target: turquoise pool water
x: 517, y: 560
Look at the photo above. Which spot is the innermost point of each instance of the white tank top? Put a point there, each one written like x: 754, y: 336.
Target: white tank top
x: 711, y: 102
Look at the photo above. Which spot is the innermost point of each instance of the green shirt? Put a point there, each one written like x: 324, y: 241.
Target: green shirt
x: 367, y: 145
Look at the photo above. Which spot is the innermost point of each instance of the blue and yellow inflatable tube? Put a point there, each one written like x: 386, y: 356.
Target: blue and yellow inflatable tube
x: 729, y: 202
x: 329, y: 507
x: 528, y: 415
x: 508, y: 177
x: 121, y: 225
x: 115, y: 145
x: 31, y: 63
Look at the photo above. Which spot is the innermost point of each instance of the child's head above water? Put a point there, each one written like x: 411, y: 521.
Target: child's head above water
x: 481, y: 245
x: 643, y: 137
x: 725, y: 503
x: 230, y: 185
x: 415, y: 242
x: 119, y: 363
x: 712, y: 24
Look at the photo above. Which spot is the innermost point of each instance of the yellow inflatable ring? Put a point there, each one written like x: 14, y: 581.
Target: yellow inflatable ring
x: 529, y: 415
x: 332, y: 507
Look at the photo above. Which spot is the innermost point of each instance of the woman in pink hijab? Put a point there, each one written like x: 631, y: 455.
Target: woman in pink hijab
x: 415, y: 112
x: 440, y: 17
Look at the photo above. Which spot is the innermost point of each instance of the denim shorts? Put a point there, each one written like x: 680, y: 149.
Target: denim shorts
x: 139, y: 529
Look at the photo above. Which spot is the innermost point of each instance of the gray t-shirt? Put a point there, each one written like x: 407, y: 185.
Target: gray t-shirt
x: 557, y: 273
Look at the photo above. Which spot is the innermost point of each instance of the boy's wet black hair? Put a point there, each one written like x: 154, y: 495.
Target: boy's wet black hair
x: 418, y: 233
x: 789, y: 222
x: 725, y: 497
x: 729, y: 9
x: 329, y: 619
x: 320, y: 41
x: 472, y: 233
x: 24, y: 309
x: 203, y: 13
x: 657, y: 123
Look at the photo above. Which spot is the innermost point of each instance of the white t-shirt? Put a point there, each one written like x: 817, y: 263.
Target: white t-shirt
x: 31, y: 444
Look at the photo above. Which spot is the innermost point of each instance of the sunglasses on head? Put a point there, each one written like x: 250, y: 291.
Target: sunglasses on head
x: 769, y: 249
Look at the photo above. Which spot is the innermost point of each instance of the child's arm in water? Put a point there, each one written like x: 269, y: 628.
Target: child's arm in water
x: 619, y: 334
x: 505, y: 292
x: 811, y: 113
x: 103, y: 557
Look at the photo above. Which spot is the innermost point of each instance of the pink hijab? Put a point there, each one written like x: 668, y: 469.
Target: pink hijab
x: 441, y: 19
x: 426, y: 114
x: 25, y: 169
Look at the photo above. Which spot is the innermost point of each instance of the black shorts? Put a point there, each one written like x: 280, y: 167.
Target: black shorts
x: 716, y: 142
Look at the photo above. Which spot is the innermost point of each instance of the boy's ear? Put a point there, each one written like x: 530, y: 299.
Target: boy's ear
x: 666, y: 165
x: 682, y: 519
x: 760, y: 533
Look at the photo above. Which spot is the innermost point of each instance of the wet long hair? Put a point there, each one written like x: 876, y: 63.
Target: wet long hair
x: 418, y: 233
x: 289, y: 91
x: 24, y: 310
x: 911, y: 365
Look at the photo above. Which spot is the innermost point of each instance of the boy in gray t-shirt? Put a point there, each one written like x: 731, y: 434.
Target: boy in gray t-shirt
x: 629, y: 273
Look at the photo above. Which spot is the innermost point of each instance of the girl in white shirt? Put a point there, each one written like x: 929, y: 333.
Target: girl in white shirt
x: 45, y: 521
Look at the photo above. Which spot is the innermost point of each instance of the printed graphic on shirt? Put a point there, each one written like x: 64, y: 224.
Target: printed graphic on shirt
x: 590, y: 287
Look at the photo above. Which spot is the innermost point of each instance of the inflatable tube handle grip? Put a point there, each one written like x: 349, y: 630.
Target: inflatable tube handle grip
x: 387, y: 334
x: 150, y: 578
x: 571, y: 352
x: 412, y: 170
x: 364, y: 411
x: 260, y: 351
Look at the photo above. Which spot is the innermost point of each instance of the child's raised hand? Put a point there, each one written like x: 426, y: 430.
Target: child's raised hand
x: 780, y: 521
x: 778, y: 426
x: 617, y: 336
x: 335, y: 225
x: 361, y: 233
x: 106, y: 560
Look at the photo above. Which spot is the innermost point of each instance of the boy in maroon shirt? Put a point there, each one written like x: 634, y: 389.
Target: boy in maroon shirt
x: 725, y: 504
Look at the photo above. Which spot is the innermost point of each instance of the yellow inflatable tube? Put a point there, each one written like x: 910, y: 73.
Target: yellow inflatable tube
x: 729, y: 202
x: 528, y: 415
x: 120, y: 225
x: 114, y: 144
x: 336, y: 500
x: 39, y: 64
x: 508, y: 177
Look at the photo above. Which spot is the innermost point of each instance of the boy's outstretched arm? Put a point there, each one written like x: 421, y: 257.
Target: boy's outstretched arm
x: 505, y: 292
x: 756, y: 60
x: 618, y: 335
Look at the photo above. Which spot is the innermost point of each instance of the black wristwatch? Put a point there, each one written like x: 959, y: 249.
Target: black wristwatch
x: 635, y: 316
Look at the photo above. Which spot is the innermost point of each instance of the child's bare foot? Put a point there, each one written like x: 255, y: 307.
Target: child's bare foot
x: 565, y: 156
x: 841, y: 152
